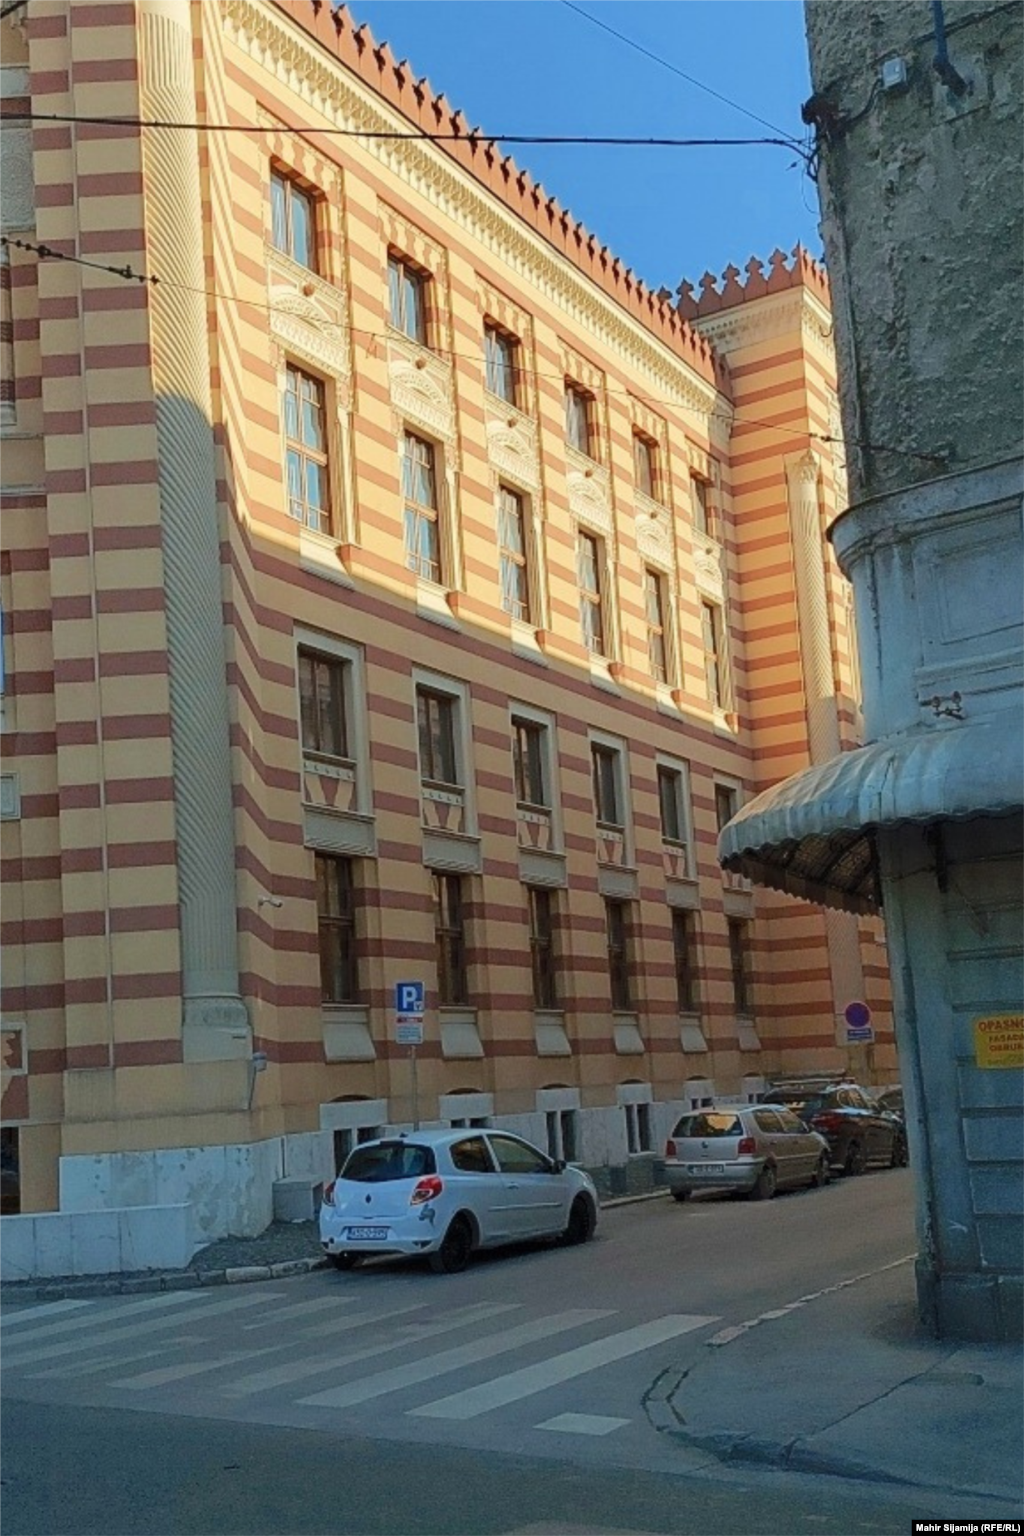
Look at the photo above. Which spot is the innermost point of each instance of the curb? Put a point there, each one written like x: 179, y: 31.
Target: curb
x: 172, y: 1280
x: 86, y: 1286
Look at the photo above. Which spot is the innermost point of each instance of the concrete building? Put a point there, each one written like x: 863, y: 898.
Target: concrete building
x: 395, y: 588
x: 918, y: 118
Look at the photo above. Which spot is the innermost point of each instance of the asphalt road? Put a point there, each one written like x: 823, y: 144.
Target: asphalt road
x: 514, y: 1398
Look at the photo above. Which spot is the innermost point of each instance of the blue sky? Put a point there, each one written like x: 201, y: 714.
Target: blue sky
x: 537, y: 66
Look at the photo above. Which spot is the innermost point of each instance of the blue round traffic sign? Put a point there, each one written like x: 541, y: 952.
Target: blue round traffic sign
x: 857, y: 1015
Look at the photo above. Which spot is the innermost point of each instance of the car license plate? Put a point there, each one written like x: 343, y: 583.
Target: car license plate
x: 367, y: 1234
x: 699, y: 1168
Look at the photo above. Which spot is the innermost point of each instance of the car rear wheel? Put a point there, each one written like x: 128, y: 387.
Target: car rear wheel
x: 344, y: 1260
x: 456, y: 1247
x: 680, y: 1195
x: 766, y: 1184
x: 822, y: 1171
x: 582, y: 1221
x: 856, y: 1159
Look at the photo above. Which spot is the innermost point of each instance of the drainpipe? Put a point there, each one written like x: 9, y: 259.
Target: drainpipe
x: 941, y: 63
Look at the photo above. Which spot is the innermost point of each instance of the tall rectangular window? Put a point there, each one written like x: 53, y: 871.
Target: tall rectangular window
x: 671, y: 803
x: 407, y: 299
x: 450, y: 938
x: 617, y: 921
x: 739, y: 960
x: 323, y: 705
x: 684, y: 951
x: 501, y: 363
x: 335, y: 906
x: 528, y: 751
x: 578, y: 423
x: 655, y: 604
x: 714, y: 654
x: 422, y: 512
x: 306, y: 450
x: 590, y: 561
x: 645, y: 455
x: 607, y: 792
x: 512, y: 549
x: 435, y: 720
x: 702, y: 504
x: 542, y: 949
x: 292, y: 220
x: 727, y: 803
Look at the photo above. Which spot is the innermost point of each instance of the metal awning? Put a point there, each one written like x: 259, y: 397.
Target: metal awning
x: 813, y: 835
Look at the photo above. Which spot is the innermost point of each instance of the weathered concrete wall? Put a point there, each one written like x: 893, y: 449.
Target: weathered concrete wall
x: 922, y: 221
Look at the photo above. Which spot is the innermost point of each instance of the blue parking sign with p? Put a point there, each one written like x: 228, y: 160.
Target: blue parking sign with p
x: 410, y: 998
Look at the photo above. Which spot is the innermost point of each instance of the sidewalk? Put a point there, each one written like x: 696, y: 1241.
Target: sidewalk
x: 846, y: 1383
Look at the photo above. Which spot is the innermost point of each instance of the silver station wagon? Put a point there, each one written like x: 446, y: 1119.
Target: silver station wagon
x: 751, y: 1149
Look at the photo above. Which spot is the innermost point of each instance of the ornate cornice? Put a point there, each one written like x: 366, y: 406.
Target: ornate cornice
x: 331, y: 90
x: 795, y: 309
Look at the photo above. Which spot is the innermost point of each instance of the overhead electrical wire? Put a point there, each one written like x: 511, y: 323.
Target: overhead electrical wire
x: 128, y: 274
x: 470, y: 136
x: 675, y: 70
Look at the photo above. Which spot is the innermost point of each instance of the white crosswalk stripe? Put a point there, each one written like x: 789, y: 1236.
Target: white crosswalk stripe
x: 297, y: 1370
x: 549, y: 1373
x: 32, y: 1314
x: 451, y: 1360
x: 217, y: 1349
x: 31, y: 1354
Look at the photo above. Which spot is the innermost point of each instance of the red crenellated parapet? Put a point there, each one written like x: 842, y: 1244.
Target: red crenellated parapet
x: 801, y: 271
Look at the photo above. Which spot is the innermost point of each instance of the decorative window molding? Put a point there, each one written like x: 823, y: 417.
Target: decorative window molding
x: 612, y: 800
x: 337, y: 792
x: 676, y: 812
x: 447, y: 809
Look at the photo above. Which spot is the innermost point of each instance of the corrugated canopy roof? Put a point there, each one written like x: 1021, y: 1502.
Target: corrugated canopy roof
x: 813, y: 834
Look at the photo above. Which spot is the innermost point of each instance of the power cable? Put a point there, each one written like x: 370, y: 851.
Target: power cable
x: 691, y: 79
x: 127, y: 273
x: 470, y: 136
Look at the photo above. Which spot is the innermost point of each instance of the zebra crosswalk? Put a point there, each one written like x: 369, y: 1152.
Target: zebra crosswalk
x: 259, y: 1353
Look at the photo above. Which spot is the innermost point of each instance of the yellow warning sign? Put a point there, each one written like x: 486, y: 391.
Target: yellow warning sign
x: 999, y: 1040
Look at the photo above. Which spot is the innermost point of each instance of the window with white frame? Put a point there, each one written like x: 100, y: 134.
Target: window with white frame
x: 307, y: 470
x: 579, y: 419
x: 739, y: 961
x: 530, y: 760
x: 293, y: 220
x: 450, y: 939
x: 638, y: 1128
x: 703, y: 508
x: 619, y: 918
x: 324, y: 688
x: 716, y: 667
x: 421, y: 495
x: 561, y: 1126
x: 501, y: 361
x: 407, y: 298
x: 659, y: 641
x: 437, y: 725
x: 607, y: 771
x: 348, y: 1138
x: 674, y: 803
x: 513, y: 553
x: 727, y: 803
x: 645, y: 464
x: 590, y: 565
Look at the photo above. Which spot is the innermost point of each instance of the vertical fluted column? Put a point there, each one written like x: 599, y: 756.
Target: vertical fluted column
x: 824, y: 743
x: 215, y: 1021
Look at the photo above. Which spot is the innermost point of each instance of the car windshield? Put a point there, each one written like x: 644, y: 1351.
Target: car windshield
x: 388, y: 1160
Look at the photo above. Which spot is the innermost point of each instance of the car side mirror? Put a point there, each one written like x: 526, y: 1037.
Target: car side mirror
x: 558, y: 1166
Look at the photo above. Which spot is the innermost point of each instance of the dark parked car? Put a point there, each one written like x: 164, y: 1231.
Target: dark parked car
x: 858, y: 1130
x: 891, y: 1099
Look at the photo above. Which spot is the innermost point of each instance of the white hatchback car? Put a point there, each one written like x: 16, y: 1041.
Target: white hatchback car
x: 444, y: 1194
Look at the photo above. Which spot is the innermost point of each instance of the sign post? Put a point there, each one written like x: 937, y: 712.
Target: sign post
x: 410, y: 1006
x: 859, y: 1029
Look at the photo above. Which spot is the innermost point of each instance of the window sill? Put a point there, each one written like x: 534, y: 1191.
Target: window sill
x: 432, y: 603
x: 627, y: 1036
x: 320, y: 555
x: 526, y: 643
x: 346, y: 1032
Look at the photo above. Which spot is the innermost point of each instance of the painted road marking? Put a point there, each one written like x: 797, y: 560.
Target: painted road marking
x: 35, y: 1356
x: 451, y: 1360
x: 583, y: 1423
x: 96, y: 1319
x: 280, y: 1375
x: 29, y: 1314
x: 168, y: 1373
x: 302, y: 1309
x: 551, y: 1373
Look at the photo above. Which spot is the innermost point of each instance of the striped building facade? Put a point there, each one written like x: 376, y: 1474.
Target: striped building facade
x: 394, y: 588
